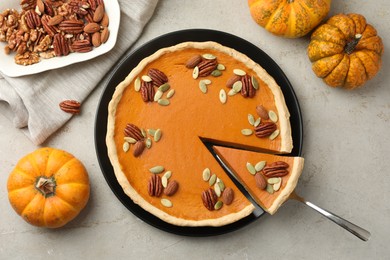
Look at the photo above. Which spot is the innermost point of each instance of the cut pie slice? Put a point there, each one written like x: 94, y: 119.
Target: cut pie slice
x: 269, y: 179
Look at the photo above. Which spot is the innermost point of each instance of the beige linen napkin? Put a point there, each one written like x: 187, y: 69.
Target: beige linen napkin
x: 33, y: 100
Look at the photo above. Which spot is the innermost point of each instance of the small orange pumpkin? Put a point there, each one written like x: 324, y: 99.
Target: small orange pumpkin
x: 289, y: 18
x: 48, y: 187
x: 345, y: 51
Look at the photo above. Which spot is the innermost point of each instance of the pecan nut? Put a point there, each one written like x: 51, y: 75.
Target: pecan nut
x: 60, y: 45
x: 206, y: 67
x: 71, y: 26
x: 247, y: 89
x: 171, y: 188
x: 265, y: 129
x: 158, y: 77
x: 209, y: 198
x: 133, y: 131
x: 81, y: 46
x: 32, y: 19
x: 155, y: 186
x: 49, y: 29
x: 70, y: 106
x: 147, y: 91
x: 276, y: 169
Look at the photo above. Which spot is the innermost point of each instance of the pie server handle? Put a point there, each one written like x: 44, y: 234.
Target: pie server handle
x: 354, y: 229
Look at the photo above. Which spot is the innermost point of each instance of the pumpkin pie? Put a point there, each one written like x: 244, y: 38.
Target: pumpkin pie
x: 166, y: 108
x: 269, y: 179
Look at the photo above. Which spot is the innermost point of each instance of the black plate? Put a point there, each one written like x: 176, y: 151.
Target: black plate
x: 123, y: 68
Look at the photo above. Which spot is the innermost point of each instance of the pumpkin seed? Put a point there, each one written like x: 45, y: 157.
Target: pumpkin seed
x: 164, y: 181
x: 163, y: 102
x: 273, y: 180
x: 257, y: 122
x: 246, y: 132
x: 251, y: 169
x: 237, y: 86
x: 209, y: 56
x: 274, y: 134
x: 164, y: 87
x: 255, y: 83
x: 217, y: 189
x: 260, y: 165
x: 218, y: 205
x: 143, y: 132
x: 157, y: 169
x: 167, y: 174
x: 272, y: 115
x: 126, y: 147
x: 270, y: 189
x: 222, y: 96
x: 277, y: 185
x: 137, y: 84
x: 130, y: 139
x: 221, y: 184
x: 157, y: 135
x: 206, y: 81
x: 166, y: 203
x: 212, y: 179
x: 195, y: 73
x: 151, y: 131
x: 171, y: 92
x: 232, y: 92
x: 203, y: 87
x: 221, y: 67
x: 146, y: 78
x: 206, y: 174
x: 216, y: 73
x: 251, y: 119
x: 158, y: 95
x: 239, y: 72
x: 148, y: 143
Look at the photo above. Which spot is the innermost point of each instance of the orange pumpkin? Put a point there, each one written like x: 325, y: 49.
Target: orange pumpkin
x: 345, y: 51
x: 48, y: 187
x: 289, y: 18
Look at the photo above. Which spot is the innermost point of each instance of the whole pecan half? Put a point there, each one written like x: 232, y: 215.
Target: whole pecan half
x: 209, y: 198
x: 71, y: 26
x: 81, y: 46
x: 70, y: 106
x: 60, y: 45
x: 49, y: 29
x: 206, y: 67
x: 276, y: 169
x: 32, y: 19
x: 147, y: 91
x: 158, y: 77
x: 247, y: 89
x: 133, y: 131
x: 155, y: 187
x: 265, y: 129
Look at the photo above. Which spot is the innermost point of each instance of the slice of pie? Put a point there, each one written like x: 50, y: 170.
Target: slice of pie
x: 167, y: 105
x: 269, y: 179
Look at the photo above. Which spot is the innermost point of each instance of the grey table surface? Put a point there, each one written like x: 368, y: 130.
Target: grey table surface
x: 346, y: 148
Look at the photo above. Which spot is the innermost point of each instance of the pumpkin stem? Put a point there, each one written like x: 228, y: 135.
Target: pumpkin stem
x: 290, y: 1
x: 46, y: 186
x: 350, y: 47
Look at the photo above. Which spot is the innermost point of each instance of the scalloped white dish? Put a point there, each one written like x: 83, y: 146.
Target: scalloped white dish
x: 9, y: 68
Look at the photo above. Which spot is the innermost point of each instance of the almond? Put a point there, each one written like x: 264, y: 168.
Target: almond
x: 99, y: 13
x: 228, y: 196
x: 96, y: 39
x: 261, y: 183
x: 192, y: 62
x: 104, y: 34
x: 105, y: 20
x: 91, y: 28
x: 171, y: 188
x: 262, y: 112
x: 55, y: 20
x: 138, y: 148
x: 233, y: 79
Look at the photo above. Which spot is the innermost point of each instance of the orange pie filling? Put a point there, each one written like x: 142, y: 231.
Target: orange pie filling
x: 188, y: 114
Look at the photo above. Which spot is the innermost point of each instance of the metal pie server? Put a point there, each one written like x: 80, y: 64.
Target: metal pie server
x: 354, y: 229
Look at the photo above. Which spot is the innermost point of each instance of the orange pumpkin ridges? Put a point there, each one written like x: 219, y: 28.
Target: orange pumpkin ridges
x: 48, y: 187
x: 345, y: 51
x: 291, y: 18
